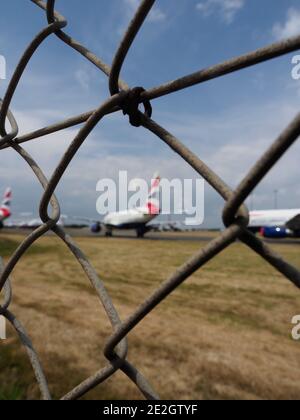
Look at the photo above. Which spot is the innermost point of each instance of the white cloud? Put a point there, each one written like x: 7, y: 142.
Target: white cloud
x: 232, y: 142
x: 156, y: 14
x: 82, y: 76
x: 291, y: 27
x: 227, y: 9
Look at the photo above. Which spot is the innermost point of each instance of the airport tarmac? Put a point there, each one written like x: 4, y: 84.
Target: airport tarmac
x: 202, y: 236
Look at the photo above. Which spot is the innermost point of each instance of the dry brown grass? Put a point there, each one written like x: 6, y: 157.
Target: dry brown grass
x: 225, y: 334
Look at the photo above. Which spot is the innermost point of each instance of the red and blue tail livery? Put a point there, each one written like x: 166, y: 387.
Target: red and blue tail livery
x: 5, y: 211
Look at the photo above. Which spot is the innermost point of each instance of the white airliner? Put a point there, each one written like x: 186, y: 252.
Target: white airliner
x: 276, y: 223
x: 137, y: 219
x: 5, y: 211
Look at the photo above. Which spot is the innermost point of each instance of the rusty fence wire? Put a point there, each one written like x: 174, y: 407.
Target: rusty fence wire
x: 126, y: 99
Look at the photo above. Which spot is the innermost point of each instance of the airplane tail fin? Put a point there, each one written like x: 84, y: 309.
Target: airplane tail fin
x: 5, y: 206
x: 152, y: 202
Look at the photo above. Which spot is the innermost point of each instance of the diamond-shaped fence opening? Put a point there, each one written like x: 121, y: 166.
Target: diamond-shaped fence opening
x: 125, y: 99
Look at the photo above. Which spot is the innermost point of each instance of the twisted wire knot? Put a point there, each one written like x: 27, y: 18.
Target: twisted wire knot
x: 130, y: 106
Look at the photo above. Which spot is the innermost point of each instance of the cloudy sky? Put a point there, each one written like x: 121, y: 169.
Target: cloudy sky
x: 228, y: 122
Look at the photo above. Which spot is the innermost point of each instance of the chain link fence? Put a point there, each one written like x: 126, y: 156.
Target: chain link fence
x: 123, y: 98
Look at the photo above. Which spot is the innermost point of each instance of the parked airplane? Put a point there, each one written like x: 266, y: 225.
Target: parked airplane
x: 137, y: 219
x: 5, y: 211
x: 276, y: 223
x: 34, y: 223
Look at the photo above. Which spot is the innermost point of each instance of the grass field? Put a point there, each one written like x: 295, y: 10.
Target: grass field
x: 225, y: 334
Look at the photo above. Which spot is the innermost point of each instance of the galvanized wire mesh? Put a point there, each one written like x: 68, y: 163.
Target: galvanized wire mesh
x: 123, y: 98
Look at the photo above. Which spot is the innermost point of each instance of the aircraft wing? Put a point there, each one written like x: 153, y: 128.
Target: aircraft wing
x: 85, y: 219
x: 294, y: 224
x: 168, y: 226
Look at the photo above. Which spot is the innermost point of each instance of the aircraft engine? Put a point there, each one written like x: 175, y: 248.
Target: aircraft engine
x: 275, y: 232
x: 96, y: 228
